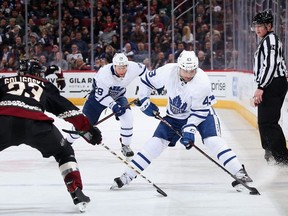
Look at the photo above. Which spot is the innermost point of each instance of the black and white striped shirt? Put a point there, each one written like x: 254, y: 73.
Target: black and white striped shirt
x: 269, y: 60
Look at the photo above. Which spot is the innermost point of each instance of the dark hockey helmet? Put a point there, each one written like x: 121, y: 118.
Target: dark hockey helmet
x: 32, y: 67
x: 263, y: 17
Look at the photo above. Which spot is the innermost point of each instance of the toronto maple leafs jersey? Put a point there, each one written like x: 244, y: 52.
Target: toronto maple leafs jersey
x: 190, y: 100
x: 108, y: 87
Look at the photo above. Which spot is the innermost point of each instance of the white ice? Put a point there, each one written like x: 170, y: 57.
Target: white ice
x: 31, y: 185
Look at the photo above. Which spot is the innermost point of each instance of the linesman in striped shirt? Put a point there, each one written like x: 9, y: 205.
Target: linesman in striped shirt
x: 270, y: 75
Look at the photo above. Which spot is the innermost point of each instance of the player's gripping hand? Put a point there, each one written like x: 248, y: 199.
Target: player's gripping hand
x: 60, y: 78
x: 188, y: 136
x: 61, y: 83
x: 117, y: 109
x: 148, y: 107
x: 54, y: 69
x: 93, y: 135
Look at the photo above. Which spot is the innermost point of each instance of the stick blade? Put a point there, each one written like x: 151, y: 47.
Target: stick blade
x: 160, y: 191
x: 254, y: 191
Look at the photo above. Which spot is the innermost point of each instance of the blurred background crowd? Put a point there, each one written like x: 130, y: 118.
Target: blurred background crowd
x: 85, y: 34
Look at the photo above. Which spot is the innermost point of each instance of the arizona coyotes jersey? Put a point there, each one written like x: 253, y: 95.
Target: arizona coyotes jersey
x: 191, y: 100
x: 29, y: 97
x: 107, y: 86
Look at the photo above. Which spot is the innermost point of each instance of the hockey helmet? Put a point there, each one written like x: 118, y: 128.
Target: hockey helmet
x: 120, y: 59
x: 30, y: 66
x: 188, y: 60
x: 263, y: 17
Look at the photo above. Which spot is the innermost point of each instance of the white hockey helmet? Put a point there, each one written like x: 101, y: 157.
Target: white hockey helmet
x: 120, y: 59
x: 188, y: 60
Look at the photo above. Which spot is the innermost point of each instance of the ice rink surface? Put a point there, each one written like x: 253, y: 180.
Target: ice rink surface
x: 31, y: 185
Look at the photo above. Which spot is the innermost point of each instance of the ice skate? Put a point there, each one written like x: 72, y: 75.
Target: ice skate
x: 243, y: 177
x: 74, y: 185
x: 80, y: 199
x: 119, y: 182
x: 268, y: 156
x: 126, y: 150
x: 278, y: 159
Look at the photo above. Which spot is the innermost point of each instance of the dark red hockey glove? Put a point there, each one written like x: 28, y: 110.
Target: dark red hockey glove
x: 93, y: 136
x: 54, y: 69
x: 86, y: 130
x: 61, y: 83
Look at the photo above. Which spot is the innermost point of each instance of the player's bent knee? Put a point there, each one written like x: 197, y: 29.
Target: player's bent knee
x: 214, y: 144
x: 155, y: 146
x: 65, y: 155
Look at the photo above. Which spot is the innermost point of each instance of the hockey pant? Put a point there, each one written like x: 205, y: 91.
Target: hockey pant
x: 211, y: 139
x: 43, y: 136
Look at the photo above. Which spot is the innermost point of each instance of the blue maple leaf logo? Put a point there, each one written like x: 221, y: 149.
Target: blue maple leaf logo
x: 116, y: 91
x: 176, y: 105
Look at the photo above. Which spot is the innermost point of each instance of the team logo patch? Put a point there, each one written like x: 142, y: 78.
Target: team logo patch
x: 115, y: 91
x: 176, y: 105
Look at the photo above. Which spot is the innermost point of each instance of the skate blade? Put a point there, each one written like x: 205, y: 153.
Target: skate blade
x: 82, y: 206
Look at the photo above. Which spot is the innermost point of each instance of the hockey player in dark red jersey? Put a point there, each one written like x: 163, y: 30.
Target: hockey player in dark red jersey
x: 23, y: 100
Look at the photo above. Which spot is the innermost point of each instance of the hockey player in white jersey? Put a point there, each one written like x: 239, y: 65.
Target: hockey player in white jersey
x: 188, y: 110
x: 109, y: 90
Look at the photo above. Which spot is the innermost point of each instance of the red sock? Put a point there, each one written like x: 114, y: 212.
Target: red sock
x: 73, y: 180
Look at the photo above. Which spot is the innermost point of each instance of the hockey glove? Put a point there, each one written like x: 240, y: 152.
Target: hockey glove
x: 54, y: 69
x: 188, y: 136
x: 61, y: 83
x: 93, y: 135
x: 137, y: 103
x: 117, y: 109
x: 148, y: 107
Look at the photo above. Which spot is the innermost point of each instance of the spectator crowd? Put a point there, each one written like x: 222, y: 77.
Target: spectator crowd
x: 75, y: 52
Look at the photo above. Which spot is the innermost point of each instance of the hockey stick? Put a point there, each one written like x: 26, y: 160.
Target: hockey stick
x: 102, y: 120
x: 138, y: 173
x: 114, y: 153
x: 125, y: 162
x: 253, y: 190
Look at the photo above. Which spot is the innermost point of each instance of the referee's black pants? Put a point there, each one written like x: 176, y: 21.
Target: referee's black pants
x: 269, y: 111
